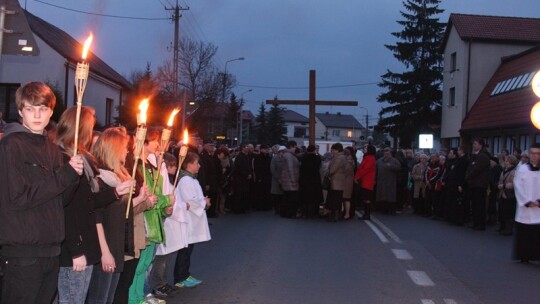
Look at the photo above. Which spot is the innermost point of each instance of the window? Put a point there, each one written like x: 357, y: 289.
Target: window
x: 300, y: 132
x: 513, y: 83
x: 109, y: 104
x: 524, y: 142
x: 537, y: 138
x: 496, y: 145
x: 349, y: 133
x: 7, y: 102
x: 453, y: 62
x: 454, y: 142
x: 510, y: 143
x: 452, y: 97
x: 336, y: 132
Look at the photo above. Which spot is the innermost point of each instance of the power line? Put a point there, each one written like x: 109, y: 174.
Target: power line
x: 304, y: 88
x: 101, y: 15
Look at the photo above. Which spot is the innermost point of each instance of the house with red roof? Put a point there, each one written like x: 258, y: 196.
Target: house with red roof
x: 55, y: 57
x: 474, y: 47
x: 501, y: 114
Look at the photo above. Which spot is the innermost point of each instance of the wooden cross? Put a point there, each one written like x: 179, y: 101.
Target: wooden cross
x: 312, y: 102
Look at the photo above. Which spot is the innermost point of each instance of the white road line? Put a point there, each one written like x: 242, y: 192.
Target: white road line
x: 402, y: 254
x: 377, y: 232
x: 428, y: 301
x: 387, y: 230
x: 420, y: 278
x: 449, y: 301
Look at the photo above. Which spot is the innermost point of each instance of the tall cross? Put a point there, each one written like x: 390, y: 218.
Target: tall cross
x: 312, y: 102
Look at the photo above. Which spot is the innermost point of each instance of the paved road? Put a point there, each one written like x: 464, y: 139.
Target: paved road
x: 262, y: 258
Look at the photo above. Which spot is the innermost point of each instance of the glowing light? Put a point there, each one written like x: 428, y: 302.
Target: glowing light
x: 171, y: 118
x: 143, y: 107
x: 535, y: 115
x: 87, y: 44
x: 186, y: 137
x: 535, y: 84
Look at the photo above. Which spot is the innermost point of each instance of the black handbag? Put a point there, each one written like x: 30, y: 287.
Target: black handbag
x: 326, y: 182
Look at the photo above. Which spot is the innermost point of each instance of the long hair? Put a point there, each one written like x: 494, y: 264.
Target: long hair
x: 66, y: 128
x: 110, y: 149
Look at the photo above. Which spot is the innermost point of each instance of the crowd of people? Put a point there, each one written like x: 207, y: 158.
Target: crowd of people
x: 83, y: 221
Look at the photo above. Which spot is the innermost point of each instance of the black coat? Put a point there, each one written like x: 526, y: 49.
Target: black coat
x: 80, y: 221
x: 478, y: 170
x: 310, y: 178
x: 209, y: 174
x: 33, y: 180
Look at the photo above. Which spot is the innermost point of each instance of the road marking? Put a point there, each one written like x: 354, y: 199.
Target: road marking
x: 449, y: 301
x: 387, y: 230
x: 377, y: 232
x: 402, y: 254
x: 427, y: 301
x: 420, y: 278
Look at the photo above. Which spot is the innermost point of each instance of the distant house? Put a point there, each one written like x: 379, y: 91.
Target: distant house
x: 338, y: 127
x: 297, y: 125
x: 501, y: 115
x: 55, y: 64
x: 474, y: 46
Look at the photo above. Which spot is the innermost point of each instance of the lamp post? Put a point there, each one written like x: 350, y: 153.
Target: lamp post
x: 225, y: 77
x: 367, y: 121
x: 241, y: 127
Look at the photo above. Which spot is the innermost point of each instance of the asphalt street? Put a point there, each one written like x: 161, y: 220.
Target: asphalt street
x: 262, y: 258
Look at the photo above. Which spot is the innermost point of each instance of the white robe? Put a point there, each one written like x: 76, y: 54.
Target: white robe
x: 189, y: 190
x: 527, y: 188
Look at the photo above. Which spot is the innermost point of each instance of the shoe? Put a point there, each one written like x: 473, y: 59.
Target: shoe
x: 186, y: 284
x: 151, y: 299
x: 164, y: 291
x: 193, y: 280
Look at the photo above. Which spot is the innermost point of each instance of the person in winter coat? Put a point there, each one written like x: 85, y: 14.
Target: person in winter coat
x: 276, y: 167
x: 34, y: 180
x: 434, y: 178
x: 310, y: 183
x: 387, y: 172
x: 477, y: 178
x: 365, y: 177
x: 337, y: 172
x: 419, y: 185
x: 290, y: 181
x: 507, y: 196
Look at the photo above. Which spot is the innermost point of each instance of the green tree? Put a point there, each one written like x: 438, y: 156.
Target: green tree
x: 277, y: 125
x: 414, y: 96
x: 262, y: 127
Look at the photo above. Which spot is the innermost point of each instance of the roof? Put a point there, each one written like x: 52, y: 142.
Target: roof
x: 339, y: 121
x: 512, y: 107
x: 292, y: 116
x: 70, y: 48
x: 494, y: 28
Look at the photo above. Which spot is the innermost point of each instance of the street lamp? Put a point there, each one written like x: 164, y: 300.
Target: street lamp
x: 241, y: 127
x: 225, y: 77
x: 367, y: 121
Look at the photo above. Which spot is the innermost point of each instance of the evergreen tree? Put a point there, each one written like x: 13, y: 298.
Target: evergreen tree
x: 275, y: 123
x: 262, y: 126
x: 233, y: 113
x: 415, y: 94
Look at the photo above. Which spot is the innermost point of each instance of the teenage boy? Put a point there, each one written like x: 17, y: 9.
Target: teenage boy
x: 33, y: 179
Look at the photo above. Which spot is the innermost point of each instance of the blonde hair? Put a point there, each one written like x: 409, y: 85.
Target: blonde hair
x: 66, y: 128
x: 109, y: 149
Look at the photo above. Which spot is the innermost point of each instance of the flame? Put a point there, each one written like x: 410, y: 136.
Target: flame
x: 143, y: 106
x: 87, y: 44
x: 186, y: 137
x: 171, y: 118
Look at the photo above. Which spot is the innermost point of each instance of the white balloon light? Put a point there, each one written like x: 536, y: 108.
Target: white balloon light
x: 535, y: 112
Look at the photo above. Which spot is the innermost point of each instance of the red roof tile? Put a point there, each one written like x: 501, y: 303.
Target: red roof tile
x: 508, y: 109
x: 495, y: 28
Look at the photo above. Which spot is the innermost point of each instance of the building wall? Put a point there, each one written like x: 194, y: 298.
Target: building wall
x: 50, y: 67
x: 484, y: 60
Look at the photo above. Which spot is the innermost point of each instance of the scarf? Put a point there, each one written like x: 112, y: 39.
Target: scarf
x: 108, y: 177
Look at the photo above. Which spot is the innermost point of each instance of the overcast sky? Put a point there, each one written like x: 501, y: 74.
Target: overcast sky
x: 281, y: 40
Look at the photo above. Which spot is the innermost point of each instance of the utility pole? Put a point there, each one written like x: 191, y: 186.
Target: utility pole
x: 176, y: 17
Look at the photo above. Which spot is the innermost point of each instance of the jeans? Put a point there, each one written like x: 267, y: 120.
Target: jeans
x: 183, y: 263
x: 102, y: 286
x: 158, y: 276
x: 29, y: 280
x: 73, y: 285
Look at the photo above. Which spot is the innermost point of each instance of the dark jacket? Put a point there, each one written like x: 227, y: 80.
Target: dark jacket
x: 33, y: 180
x: 478, y: 170
x: 455, y: 173
x: 80, y: 220
x: 210, y: 173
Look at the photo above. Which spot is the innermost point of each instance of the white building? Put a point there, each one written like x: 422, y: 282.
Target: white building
x: 55, y: 64
x: 474, y: 46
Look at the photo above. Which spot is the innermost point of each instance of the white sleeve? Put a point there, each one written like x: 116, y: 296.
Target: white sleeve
x: 523, y: 195
x: 191, y: 193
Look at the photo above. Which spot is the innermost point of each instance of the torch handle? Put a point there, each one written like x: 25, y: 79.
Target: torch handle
x: 131, y: 188
x: 77, y: 123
